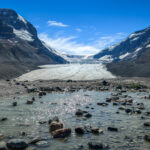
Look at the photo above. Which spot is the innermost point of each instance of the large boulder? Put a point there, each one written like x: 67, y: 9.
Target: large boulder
x: 55, y: 126
x: 17, y: 144
x: 61, y: 133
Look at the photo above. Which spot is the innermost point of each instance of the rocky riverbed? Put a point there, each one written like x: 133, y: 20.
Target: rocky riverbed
x: 75, y: 115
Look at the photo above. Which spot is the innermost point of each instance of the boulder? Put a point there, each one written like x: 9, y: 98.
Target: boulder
x: 79, y: 130
x: 61, y: 133
x: 55, y: 126
x: 79, y: 112
x: 147, y: 138
x: 29, y: 101
x: 147, y: 123
x: 96, y: 130
x: 17, y: 144
x: 112, y: 129
x: 14, y: 103
x: 95, y: 145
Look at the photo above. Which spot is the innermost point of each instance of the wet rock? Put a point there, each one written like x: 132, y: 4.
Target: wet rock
x: 147, y: 138
x: 96, y: 130
x: 3, y: 119
x: 42, y: 144
x: 147, y: 123
x: 121, y: 108
x: 56, y: 119
x: 42, y: 93
x: 29, y: 101
x: 3, y: 145
x: 102, y: 104
x: 105, y: 83
x: 95, y: 145
x: 61, y: 133
x: 31, y: 90
x: 55, y: 126
x: 128, y: 110
x: 42, y: 122
x: 17, y: 144
x: 112, y: 129
x: 115, y: 104
x: 79, y: 130
x: 79, y: 112
x: 35, y: 140
x: 108, y: 100
x: 14, y: 103
x: 140, y: 106
x: 88, y: 115
x: 33, y: 98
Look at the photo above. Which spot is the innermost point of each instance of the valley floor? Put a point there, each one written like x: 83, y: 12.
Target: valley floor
x: 9, y: 88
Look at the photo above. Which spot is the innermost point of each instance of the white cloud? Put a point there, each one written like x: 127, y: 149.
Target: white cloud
x: 71, y: 46
x: 58, y: 24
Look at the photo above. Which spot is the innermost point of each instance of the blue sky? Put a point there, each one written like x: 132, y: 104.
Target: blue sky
x: 83, y: 26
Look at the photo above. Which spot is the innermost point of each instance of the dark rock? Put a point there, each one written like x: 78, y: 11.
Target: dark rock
x: 95, y: 145
x: 102, y: 104
x: 147, y: 138
x: 128, y: 110
x: 88, y: 115
x: 29, y: 101
x: 55, y: 126
x: 79, y: 112
x: 79, y: 130
x: 53, y: 119
x: 61, y: 133
x: 14, y: 103
x: 17, y: 144
x: 35, y: 140
x: 112, y: 129
x: 3, y: 119
x: 147, y: 123
x: 96, y: 130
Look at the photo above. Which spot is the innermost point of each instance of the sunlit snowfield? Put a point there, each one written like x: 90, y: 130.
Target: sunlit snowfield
x: 68, y: 71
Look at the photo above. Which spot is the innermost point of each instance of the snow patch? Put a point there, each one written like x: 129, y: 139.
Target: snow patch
x: 23, y: 34
x: 107, y: 58
x: 136, y: 34
x: 22, y: 19
x: 148, y: 46
x: 138, y: 49
x: 136, y: 38
x: 124, y: 55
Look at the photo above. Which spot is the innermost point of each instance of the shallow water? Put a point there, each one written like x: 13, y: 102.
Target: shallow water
x: 26, y: 118
x: 68, y: 71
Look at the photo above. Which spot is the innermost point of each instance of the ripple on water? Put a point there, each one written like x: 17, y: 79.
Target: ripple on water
x: 25, y: 118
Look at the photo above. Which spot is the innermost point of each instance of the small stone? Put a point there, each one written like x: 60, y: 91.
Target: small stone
x: 14, y: 103
x: 147, y: 138
x: 29, y: 101
x: 147, y: 123
x: 95, y: 145
x: 79, y: 112
x: 88, y: 115
x: 112, y: 129
x: 79, y: 130
x: 96, y: 130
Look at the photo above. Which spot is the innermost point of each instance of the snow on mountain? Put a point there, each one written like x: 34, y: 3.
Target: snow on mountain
x: 128, y: 49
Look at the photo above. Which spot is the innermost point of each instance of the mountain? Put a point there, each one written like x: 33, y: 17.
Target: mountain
x: 129, y: 58
x: 20, y: 48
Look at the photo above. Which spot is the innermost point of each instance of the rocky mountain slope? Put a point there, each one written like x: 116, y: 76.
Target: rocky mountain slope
x: 131, y: 57
x: 20, y: 48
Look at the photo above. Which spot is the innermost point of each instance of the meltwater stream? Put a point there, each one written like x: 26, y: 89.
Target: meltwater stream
x: 25, y: 118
